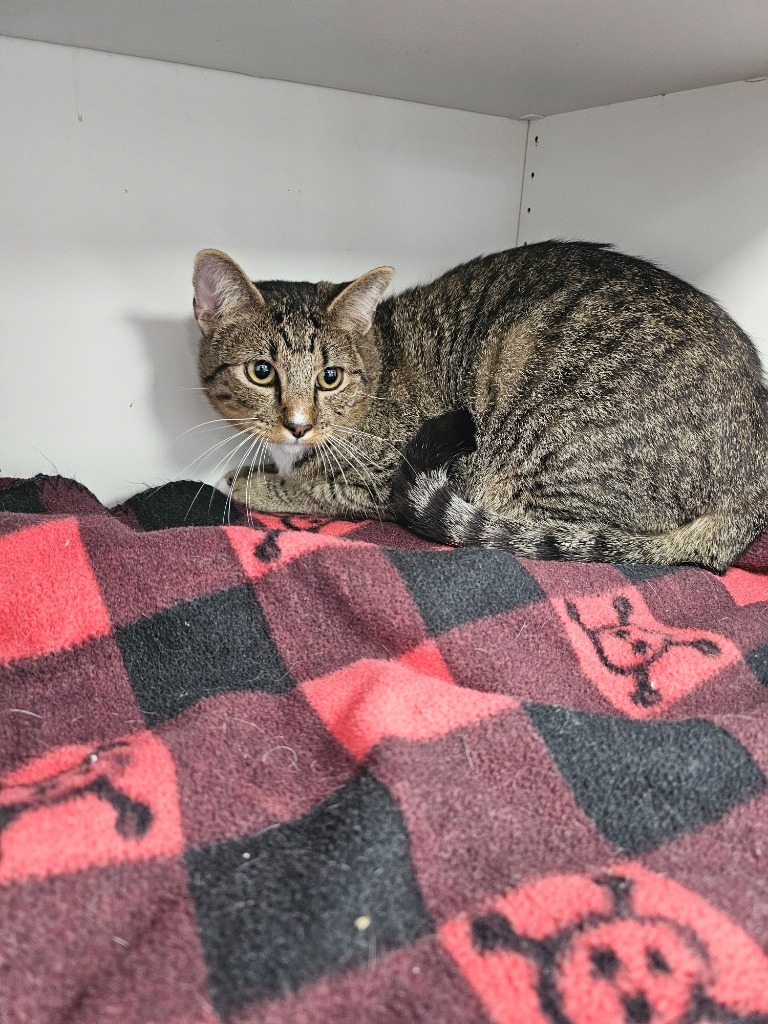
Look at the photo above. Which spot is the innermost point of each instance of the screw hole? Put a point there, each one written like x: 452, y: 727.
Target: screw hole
x: 529, y: 209
x: 532, y: 174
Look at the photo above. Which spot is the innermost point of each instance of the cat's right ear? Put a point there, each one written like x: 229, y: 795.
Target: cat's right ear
x: 221, y: 288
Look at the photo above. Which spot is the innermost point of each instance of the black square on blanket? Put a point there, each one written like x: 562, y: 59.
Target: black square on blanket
x: 643, y: 783
x: 195, y: 649
x: 453, y: 587
x: 326, y: 892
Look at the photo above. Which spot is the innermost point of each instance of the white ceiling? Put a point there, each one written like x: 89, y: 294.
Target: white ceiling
x: 507, y: 57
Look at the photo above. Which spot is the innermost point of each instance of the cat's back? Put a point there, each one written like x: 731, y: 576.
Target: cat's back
x: 583, y: 296
x: 527, y: 274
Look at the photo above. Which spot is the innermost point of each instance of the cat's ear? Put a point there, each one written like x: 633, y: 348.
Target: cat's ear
x: 354, y: 307
x: 221, y: 287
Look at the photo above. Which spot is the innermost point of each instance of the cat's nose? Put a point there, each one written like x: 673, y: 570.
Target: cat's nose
x: 298, y: 429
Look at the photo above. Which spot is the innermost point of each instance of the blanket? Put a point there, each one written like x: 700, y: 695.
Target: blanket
x: 292, y: 770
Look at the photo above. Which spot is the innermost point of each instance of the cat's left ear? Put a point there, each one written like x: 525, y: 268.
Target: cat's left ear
x: 353, y: 308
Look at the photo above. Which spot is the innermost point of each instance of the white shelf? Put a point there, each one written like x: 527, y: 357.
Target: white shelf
x: 504, y: 57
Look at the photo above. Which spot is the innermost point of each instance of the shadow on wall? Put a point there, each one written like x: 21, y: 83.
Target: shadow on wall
x: 201, y: 445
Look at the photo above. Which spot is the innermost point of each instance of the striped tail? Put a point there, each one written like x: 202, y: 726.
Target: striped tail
x: 423, y: 500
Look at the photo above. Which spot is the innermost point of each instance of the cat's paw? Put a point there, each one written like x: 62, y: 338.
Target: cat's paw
x: 248, y: 472
x: 252, y: 489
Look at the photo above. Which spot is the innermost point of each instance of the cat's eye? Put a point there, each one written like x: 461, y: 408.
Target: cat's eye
x: 259, y: 371
x: 330, y: 378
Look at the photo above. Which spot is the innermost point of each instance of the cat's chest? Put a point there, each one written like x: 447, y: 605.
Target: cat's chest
x: 285, y: 456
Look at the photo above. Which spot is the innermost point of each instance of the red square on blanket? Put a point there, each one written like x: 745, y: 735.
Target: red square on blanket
x: 49, y: 597
x: 746, y: 587
x: 80, y: 806
x: 412, y: 697
x: 642, y: 666
x: 594, y: 947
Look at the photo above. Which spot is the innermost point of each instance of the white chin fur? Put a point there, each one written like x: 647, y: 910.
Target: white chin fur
x: 285, y: 455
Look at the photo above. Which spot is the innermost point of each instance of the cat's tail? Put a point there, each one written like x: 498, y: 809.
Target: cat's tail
x: 422, y: 499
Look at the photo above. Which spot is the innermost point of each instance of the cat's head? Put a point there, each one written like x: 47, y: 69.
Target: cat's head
x: 287, y: 361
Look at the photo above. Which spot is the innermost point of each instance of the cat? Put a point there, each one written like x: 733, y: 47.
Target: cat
x: 558, y: 400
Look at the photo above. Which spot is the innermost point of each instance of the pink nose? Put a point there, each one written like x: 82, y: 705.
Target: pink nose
x: 298, y: 429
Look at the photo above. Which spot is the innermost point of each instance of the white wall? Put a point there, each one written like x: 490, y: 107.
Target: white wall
x: 115, y: 170
x: 680, y: 179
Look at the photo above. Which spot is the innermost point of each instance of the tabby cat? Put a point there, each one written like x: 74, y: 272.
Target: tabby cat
x: 614, y: 412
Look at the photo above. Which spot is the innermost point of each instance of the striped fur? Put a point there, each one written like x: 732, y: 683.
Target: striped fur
x: 425, y: 501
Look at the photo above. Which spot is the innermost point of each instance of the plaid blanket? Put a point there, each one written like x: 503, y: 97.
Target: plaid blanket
x: 290, y: 771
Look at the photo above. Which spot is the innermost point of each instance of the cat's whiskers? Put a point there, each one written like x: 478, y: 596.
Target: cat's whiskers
x: 212, y: 425
x: 376, y: 437
x: 248, y: 516
x: 218, y: 424
x: 351, y: 454
x: 227, y: 514
x: 332, y: 454
x: 366, y: 466
x: 354, y: 462
x: 394, y: 446
x: 262, y: 459
x: 260, y: 453
x: 208, y: 451
x: 220, y: 421
x: 194, y: 461
x: 327, y: 454
x: 353, y: 451
x: 228, y: 455
x: 321, y: 452
x: 259, y: 439
x: 356, y: 459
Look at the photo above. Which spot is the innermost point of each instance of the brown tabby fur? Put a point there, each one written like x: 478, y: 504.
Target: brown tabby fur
x: 619, y: 413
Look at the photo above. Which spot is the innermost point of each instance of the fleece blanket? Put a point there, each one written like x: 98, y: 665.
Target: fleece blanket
x: 284, y: 770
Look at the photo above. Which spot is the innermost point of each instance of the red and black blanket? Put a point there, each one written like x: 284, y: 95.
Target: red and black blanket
x: 282, y: 770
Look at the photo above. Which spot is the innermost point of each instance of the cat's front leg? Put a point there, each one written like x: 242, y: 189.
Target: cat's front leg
x: 270, y: 492
x: 273, y: 492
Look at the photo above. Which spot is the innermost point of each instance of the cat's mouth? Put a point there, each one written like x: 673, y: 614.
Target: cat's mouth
x: 289, y: 441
